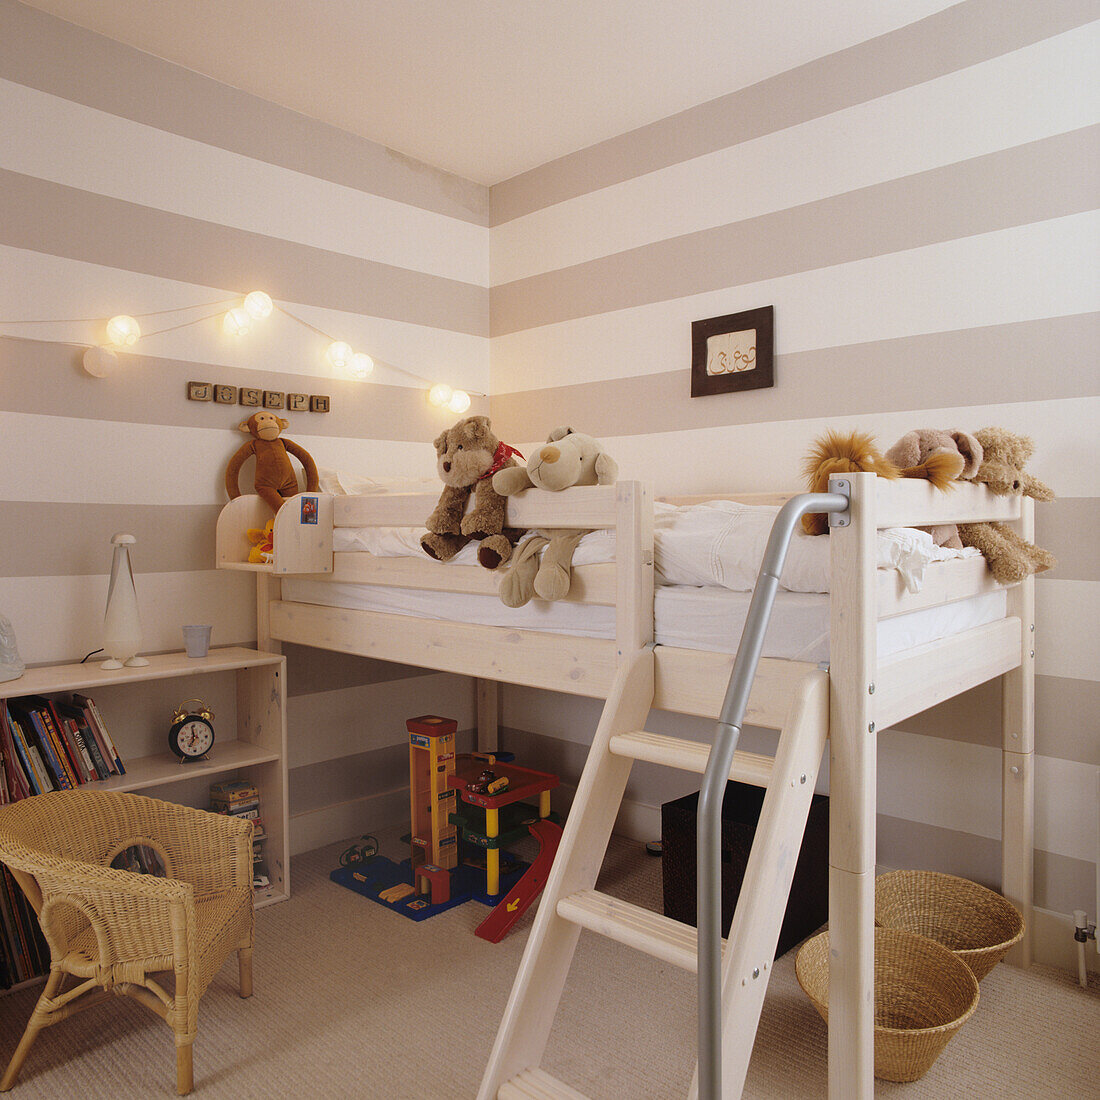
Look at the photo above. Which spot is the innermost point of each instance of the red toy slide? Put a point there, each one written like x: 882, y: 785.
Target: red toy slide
x: 517, y: 901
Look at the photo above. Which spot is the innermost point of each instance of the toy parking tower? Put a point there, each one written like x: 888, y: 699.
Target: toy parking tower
x: 431, y: 764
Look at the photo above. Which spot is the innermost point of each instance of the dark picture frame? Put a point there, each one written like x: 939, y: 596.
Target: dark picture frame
x: 724, y: 343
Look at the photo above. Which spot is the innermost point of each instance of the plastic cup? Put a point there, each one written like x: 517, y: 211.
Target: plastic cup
x: 197, y: 640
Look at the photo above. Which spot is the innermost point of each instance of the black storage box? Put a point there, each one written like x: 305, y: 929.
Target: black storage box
x: 808, y: 905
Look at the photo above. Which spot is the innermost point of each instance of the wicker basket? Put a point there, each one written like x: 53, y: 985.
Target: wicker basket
x: 923, y: 995
x: 977, y: 924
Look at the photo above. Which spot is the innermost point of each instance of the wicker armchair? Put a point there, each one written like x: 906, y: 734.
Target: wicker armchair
x: 112, y: 930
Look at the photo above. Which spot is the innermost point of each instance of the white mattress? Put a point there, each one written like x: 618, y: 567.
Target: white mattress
x: 684, y: 616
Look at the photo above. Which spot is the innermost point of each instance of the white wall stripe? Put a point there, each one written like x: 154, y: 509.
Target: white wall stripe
x: 60, y: 619
x: 1066, y: 614
x: 370, y: 716
x: 62, y: 459
x: 36, y: 285
x: 51, y: 138
x: 956, y: 785
x: 767, y: 457
x: 1046, y: 269
x: 1049, y: 88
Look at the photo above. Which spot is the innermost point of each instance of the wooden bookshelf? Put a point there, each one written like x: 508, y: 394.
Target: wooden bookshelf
x: 250, y: 727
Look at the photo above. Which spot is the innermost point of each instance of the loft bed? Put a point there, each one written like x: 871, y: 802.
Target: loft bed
x: 857, y: 692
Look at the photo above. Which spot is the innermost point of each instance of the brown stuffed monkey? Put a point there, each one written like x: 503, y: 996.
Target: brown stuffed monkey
x: 275, y: 476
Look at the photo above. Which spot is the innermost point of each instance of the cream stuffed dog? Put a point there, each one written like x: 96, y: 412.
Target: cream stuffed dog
x: 567, y: 458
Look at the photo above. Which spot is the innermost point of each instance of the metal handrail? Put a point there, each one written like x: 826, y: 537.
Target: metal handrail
x: 727, y: 734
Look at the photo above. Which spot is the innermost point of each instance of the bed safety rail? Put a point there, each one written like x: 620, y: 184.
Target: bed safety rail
x: 727, y: 734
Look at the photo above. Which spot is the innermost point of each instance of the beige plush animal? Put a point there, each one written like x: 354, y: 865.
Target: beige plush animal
x: 468, y: 457
x: 941, y: 457
x: 1010, y: 557
x: 568, y: 458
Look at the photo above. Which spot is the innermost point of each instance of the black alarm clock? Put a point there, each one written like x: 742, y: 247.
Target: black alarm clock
x: 191, y: 735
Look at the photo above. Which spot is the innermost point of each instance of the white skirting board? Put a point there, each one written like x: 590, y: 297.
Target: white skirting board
x: 347, y: 820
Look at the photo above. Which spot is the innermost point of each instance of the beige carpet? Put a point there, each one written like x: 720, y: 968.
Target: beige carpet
x: 354, y: 1001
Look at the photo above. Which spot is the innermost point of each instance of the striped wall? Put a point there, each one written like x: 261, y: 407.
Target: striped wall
x: 921, y: 211
x: 128, y: 184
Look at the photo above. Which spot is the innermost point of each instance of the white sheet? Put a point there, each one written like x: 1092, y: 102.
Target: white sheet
x: 688, y: 617
x: 717, y: 544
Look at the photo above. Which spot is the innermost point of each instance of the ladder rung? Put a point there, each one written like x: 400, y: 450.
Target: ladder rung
x: 535, y: 1084
x: 642, y: 929
x: 690, y: 756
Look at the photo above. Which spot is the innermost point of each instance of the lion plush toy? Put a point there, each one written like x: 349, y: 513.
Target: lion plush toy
x: 941, y: 457
x: 568, y: 458
x: 467, y: 457
x: 1010, y: 557
x: 275, y: 477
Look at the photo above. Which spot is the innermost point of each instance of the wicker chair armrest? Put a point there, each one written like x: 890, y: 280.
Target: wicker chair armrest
x: 211, y: 851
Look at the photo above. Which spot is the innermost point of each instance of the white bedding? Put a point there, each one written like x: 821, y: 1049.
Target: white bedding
x: 684, y: 616
x: 717, y: 544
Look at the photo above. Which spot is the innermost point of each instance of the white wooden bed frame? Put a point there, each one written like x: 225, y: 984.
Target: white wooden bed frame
x: 864, y: 694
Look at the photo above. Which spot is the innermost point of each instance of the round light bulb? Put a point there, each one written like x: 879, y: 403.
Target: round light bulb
x: 459, y: 402
x: 440, y: 394
x: 258, y: 304
x: 338, y: 354
x: 100, y: 362
x: 237, y: 321
x: 360, y: 366
x: 123, y: 331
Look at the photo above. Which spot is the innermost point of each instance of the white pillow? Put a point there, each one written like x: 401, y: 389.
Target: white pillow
x: 341, y: 483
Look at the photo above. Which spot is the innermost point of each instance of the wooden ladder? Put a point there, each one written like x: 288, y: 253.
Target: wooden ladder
x: 570, y: 901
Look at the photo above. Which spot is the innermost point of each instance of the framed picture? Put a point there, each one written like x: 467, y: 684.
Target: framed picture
x: 225, y: 395
x: 250, y: 397
x: 200, y: 391
x: 274, y: 399
x: 318, y: 403
x: 297, y: 402
x: 732, y: 352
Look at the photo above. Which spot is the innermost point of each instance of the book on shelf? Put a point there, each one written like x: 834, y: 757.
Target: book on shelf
x: 112, y: 755
x: 28, y: 756
x: 18, y: 786
x: 229, y: 792
x: 79, y: 724
x: 36, y: 732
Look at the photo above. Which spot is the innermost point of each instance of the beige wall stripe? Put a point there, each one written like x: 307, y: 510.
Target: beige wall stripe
x: 1029, y: 183
x: 65, y: 60
x: 1065, y: 718
x: 312, y: 670
x: 879, y: 376
x: 64, y: 221
x: 45, y: 378
x: 1062, y: 883
x: 69, y: 540
x: 963, y: 35
x: 1070, y: 529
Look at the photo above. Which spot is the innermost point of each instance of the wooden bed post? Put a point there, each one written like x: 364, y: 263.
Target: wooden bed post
x: 488, y: 715
x: 852, y: 779
x: 268, y: 589
x: 634, y: 569
x: 1018, y: 755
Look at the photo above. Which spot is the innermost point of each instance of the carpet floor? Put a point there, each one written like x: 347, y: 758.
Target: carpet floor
x: 354, y: 1001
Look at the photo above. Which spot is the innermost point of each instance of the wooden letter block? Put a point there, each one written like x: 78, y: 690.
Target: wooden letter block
x: 200, y: 391
x: 297, y: 402
x: 250, y: 396
x: 225, y: 395
x: 273, y: 399
x: 318, y: 403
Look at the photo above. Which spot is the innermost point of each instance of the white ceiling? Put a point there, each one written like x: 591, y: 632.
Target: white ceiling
x: 490, y: 88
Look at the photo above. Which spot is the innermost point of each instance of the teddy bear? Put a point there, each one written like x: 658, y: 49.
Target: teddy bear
x: 262, y: 543
x: 942, y: 457
x: 1010, y: 557
x: 567, y: 458
x: 467, y: 458
x: 275, y: 478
